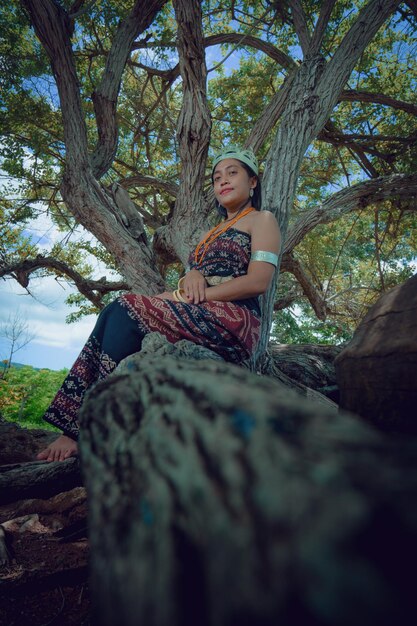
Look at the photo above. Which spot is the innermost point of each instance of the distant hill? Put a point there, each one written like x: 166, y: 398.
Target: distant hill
x: 18, y: 366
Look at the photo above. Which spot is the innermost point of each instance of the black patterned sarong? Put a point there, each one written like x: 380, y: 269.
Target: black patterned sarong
x: 231, y: 329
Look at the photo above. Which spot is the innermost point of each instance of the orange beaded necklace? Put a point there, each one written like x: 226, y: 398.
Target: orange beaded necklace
x: 213, y: 234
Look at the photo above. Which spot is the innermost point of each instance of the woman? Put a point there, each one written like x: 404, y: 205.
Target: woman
x: 216, y: 304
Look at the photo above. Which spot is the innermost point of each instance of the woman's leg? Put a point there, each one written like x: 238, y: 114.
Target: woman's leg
x: 114, y: 337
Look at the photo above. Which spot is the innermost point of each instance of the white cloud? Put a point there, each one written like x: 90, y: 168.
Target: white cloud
x: 44, y: 313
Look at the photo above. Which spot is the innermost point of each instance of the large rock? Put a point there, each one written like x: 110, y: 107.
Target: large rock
x: 377, y: 371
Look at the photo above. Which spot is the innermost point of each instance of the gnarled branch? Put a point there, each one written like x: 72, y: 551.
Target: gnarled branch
x: 253, y: 42
x: 93, y: 290
x: 291, y: 264
x: 353, y: 95
x: 350, y: 199
x: 142, y: 180
x: 106, y: 94
x: 339, y: 68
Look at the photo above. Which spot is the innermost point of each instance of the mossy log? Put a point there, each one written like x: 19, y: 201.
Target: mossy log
x: 220, y: 498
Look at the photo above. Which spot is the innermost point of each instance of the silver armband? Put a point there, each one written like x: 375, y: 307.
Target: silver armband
x: 263, y: 255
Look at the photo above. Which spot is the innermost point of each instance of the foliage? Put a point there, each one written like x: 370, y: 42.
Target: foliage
x: 26, y: 393
x: 349, y: 262
x: 296, y: 326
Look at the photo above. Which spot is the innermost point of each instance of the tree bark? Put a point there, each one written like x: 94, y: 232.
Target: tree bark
x: 193, y: 133
x: 353, y: 95
x: 311, y: 365
x: 313, y: 93
x: 106, y: 95
x: 38, y: 479
x: 300, y: 24
x: 236, y: 501
x: 90, y: 203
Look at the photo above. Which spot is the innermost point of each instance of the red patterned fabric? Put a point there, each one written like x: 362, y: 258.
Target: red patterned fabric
x: 229, y: 328
x: 225, y: 327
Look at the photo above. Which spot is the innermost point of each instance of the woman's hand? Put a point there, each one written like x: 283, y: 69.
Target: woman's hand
x: 194, y: 287
x: 167, y: 295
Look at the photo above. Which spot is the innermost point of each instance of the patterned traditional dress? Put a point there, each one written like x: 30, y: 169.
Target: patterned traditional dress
x: 229, y: 328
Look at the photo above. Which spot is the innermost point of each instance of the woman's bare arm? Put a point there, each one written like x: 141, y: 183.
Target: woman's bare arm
x: 266, y: 236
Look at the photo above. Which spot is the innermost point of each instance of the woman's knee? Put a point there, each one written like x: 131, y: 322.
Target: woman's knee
x: 110, y: 308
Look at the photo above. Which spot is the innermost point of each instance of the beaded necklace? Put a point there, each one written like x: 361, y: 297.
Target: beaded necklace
x: 212, y: 235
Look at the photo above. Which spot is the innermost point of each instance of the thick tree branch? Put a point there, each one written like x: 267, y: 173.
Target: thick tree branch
x: 106, y: 94
x: 316, y: 299
x: 141, y: 180
x: 300, y: 24
x: 352, y: 95
x: 314, y: 92
x: 93, y: 290
x: 54, y: 30
x: 93, y: 206
x: 336, y: 137
x: 38, y: 480
x: 253, y: 42
x: 326, y: 9
x: 354, y: 43
x: 350, y: 199
x: 270, y: 115
x: 193, y: 130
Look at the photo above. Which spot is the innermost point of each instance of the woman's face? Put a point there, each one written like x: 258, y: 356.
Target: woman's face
x: 232, y: 183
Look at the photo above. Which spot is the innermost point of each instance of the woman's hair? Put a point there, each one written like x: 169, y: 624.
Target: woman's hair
x: 256, y: 199
x: 257, y: 192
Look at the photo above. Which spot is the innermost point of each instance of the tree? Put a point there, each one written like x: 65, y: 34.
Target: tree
x: 15, y: 330
x: 125, y: 154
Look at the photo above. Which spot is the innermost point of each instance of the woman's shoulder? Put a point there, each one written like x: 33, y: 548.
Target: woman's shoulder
x: 263, y: 215
x: 263, y: 219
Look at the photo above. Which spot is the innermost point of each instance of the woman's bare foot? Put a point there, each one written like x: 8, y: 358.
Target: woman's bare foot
x: 59, y: 450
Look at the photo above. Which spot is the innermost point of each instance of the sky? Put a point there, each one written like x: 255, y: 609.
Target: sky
x: 55, y: 344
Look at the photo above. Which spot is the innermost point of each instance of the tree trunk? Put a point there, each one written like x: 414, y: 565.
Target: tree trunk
x: 217, y: 498
x: 310, y: 365
x: 312, y: 94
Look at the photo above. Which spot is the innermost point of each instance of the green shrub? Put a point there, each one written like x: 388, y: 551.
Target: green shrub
x: 26, y: 392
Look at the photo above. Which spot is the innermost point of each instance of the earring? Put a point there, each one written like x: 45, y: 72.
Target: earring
x: 251, y: 193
